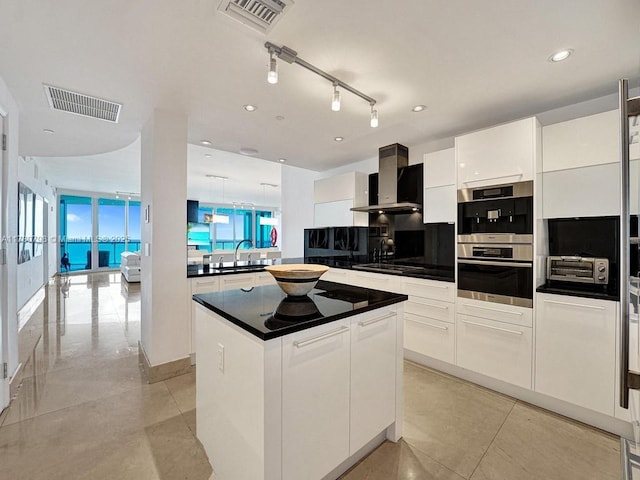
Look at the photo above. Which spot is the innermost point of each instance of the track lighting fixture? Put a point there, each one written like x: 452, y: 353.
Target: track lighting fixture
x: 288, y: 55
x: 272, y: 76
x: 335, y: 104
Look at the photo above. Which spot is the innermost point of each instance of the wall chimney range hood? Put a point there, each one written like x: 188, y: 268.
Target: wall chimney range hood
x: 392, y: 161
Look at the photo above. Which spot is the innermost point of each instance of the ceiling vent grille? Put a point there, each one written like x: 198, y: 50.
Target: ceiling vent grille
x: 261, y: 15
x: 80, y: 104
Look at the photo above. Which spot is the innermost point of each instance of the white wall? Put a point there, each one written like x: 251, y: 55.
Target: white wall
x: 9, y: 273
x: 31, y: 274
x: 297, y: 208
x: 164, y: 305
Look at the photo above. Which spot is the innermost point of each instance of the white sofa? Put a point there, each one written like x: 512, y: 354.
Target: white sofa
x: 130, y: 266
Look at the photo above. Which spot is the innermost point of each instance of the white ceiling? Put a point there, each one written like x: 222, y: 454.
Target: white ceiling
x: 120, y: 172
x: 474, y: 64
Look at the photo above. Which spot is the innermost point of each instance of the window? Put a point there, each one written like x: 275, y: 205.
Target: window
x: 111, y: 232
x: 133, y: 227
x: 76, y: 231
x: 266, y: 229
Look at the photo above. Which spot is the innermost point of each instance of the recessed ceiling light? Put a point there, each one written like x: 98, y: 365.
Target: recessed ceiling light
x: 248, y: 151
x: 48, y: 130
x: 205, y: 142
x: 207, y: 155
x: 418, y: 108
x: 250, y: 108
x: 339, y: 139
x: 561, y: 55
x: 279, y: 118
x: 282, y: 160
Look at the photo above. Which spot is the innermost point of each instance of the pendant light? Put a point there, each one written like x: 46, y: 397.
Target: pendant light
x: 335, y: 104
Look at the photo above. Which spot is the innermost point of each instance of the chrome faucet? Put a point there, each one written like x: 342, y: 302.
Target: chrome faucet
x: 235, y: 255
x: 220, y: 261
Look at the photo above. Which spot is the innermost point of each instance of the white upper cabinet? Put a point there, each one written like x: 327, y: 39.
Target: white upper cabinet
x: 582, y: 142
x: 334, y: 196
x: 439, y: 168
x: 580, y: 163
x: 501, y: 154
x: 440, y: 200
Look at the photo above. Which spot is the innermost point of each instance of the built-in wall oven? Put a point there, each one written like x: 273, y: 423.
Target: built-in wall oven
x: 495, y: 243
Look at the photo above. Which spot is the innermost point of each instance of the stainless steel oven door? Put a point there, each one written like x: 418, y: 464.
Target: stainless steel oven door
x: 498, y: 281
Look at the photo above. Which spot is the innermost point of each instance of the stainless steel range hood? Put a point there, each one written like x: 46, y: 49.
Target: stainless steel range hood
x: 390, y: 159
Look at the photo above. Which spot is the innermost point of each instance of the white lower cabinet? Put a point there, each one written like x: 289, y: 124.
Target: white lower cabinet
x: 315, y: 378
x: 199, y: 285
x: 377, y: 281
x: 338, y: 275
x: 237, y: 280
x: 575, y: 350
x: 497, y: 349
x: 430, y: 337
x: 373, y: 376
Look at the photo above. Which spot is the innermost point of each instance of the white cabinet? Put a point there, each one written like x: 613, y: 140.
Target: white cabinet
x: 199, y: 285
x: 377, y: 281
x: 440, y: 204
x: 338, y: 275
x: 496, y: 349
x: 429, y: 317
x: 237, y: 280
x: 334, y: 196
x: 576, y: 350
x: 440, y: 196
x: 315, y: 378
x: 585, y: 141
x: 495, y: 340
x: 420, y: 287
x: 373, y: 376
x: 581, y: 171
x: 502, y: 154
x: 582, y: 192
x: 439, y: 168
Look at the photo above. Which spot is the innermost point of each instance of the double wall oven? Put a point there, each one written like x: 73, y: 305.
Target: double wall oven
x: 495, y: 243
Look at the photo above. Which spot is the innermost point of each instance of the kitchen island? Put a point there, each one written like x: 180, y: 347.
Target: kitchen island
x: 292, y: 388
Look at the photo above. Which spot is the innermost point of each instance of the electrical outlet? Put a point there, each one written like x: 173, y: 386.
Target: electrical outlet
x: 221, y: 357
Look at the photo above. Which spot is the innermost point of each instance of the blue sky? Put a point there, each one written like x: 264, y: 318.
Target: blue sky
x: 110, y: 217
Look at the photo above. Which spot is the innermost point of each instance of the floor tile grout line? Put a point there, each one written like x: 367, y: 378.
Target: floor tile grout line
x: 431, y: 458
x: 494, y: 437
x: 164, y: 382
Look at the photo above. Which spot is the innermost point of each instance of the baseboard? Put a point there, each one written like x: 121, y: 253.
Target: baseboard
x: 584, y: 415
x: 163, y: 371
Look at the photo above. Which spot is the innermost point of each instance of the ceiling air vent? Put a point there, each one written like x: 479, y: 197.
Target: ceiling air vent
x: 80, y: 104
x: 260, y: 15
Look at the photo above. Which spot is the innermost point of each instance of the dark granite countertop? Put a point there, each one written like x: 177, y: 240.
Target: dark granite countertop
x: 586, y: 291
x: 409, y: 268
x: 267, y: 312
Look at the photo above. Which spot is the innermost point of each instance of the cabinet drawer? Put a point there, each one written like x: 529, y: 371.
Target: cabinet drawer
x: 338, y: 275
x: 496, y: 311
x: 495, y: 349
x: 430, y: 308
x: 264, y: 278
x: 419, y: 287
x: 204, y: 285
x: 429, y: 337
x: 387, y: 283
x: 241, y: 280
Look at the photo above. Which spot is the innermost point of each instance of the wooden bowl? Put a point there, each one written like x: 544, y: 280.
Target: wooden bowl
x: 296, y: 279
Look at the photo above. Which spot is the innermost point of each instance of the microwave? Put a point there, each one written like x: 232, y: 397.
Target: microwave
x: 575, y: 269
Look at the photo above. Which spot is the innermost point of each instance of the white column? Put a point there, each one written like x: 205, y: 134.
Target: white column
x: 164, y: 302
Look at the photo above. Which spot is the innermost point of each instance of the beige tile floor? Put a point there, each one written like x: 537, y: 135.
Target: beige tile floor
x: 84, y: 411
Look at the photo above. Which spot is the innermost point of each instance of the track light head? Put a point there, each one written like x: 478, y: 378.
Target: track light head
x: 335, y: 104
x: 272, y: 75
x: 374, y: 116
